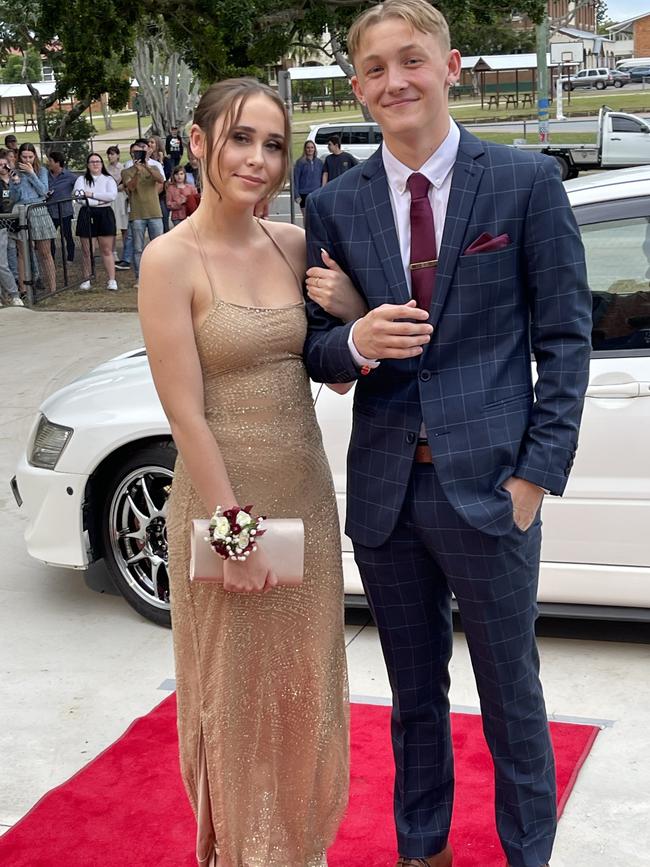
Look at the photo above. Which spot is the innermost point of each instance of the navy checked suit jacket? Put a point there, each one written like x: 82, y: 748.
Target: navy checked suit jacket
x: 472, y: 385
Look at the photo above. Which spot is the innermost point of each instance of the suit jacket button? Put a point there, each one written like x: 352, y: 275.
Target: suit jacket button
x: 425, y: 375
x: 410, y: 438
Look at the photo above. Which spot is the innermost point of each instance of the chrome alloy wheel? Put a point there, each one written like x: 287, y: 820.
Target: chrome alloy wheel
x: 138, y: 532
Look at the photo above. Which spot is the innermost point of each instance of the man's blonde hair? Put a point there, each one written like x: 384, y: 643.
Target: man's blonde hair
x: 420, y: 14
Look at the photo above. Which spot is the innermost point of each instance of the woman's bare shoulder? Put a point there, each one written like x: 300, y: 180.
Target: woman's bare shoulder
x: 170, y: 260
x: 292, y: 240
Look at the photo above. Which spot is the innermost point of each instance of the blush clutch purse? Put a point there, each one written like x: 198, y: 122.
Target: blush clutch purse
x: 283, y: 543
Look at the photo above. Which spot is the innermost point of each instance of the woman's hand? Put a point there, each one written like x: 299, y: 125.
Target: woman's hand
x: 331, y: 288
x: 252, y: 575
x: 28, y: 168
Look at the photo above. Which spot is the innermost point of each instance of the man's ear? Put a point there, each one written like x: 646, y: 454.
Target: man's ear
x: 453, y: 66
x: 356, y: 89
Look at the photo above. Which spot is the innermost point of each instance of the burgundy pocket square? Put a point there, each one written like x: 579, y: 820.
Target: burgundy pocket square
x: 485, y: 243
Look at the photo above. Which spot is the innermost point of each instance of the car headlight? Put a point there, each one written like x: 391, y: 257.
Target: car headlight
x: 48, y: 444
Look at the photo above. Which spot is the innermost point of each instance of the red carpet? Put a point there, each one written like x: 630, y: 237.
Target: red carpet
x: 127, y: 808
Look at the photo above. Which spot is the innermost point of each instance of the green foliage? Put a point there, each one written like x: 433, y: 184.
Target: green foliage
x: 12, y: 72
x: 75, y: 143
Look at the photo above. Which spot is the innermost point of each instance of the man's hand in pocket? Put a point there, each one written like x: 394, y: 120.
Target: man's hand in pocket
x: 526, y: 500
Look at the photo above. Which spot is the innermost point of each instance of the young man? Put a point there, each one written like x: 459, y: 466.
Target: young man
x: 174, y: 146
x: 469, y: 257
x: 61, y: 182
x: 337, y: 161
x: 143, y: 181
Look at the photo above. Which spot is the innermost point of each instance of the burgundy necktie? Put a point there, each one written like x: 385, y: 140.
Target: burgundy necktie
x: 424, y: 256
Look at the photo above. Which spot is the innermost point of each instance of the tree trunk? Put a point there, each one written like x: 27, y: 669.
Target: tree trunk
x: 347, y: 67
x: 106, y: 111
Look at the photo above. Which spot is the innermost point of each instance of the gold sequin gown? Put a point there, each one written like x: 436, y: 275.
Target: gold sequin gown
x: 262, y: 680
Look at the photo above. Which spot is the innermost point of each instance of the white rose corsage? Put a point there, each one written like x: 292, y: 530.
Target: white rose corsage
x: 234, y: 532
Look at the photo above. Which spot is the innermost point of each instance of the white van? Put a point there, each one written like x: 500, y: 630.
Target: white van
x: 631, y: 62
x: 359, y: 139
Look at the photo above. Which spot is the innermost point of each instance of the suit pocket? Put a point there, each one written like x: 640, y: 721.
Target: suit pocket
x: 521, y: 397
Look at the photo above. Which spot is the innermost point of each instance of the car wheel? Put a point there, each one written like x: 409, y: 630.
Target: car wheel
x: 618, y: 84
x: 134, y: 530
x: 600, y: 85
x: 566, y: 86
x: 564, y: 167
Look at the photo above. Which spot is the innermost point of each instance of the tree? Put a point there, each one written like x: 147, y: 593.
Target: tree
x: 166, y: 83
x: 12, y: 72
x: 87, y: 58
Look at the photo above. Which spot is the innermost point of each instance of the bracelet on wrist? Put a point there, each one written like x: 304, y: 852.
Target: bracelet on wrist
x: 234, y: 532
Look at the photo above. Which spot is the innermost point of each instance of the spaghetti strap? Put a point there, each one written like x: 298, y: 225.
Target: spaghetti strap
x: 268, y: 234
x: 215, y: 297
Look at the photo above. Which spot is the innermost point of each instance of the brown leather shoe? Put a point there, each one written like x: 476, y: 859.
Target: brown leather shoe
x: 442, y: 859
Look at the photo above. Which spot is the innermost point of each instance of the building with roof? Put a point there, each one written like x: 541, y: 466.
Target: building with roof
x: 596, y: 50
x: 631, y: 37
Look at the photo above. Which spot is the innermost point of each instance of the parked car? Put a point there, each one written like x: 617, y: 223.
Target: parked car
x: 620, y: 77
x: 599, y: 78
x: 639, y: 73
x: 359, y: 139
x: 98, y: 464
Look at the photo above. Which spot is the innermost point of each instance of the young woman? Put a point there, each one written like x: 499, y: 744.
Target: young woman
x: 97, y: 190
x: 307, y: 174
x: 261, y: 677
x: 32, y: 189
x: 121, y: 204
x: 182, y: 197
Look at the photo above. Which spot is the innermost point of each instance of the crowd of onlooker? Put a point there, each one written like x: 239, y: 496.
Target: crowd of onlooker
x: 139, y: 197
x: 144, y: 196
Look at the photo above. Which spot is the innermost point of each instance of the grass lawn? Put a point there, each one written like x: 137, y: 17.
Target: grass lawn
x: 531, y: 138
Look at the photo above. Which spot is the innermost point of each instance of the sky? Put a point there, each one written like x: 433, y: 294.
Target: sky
x: 621, y: 10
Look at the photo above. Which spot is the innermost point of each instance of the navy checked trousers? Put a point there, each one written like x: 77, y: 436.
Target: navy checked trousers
x: 408, y: 581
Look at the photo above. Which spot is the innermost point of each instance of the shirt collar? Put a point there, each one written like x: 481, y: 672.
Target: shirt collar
x: 436, y: 168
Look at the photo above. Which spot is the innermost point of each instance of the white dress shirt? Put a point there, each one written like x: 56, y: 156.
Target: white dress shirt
x: 438, y: 169
x: 100, y: 193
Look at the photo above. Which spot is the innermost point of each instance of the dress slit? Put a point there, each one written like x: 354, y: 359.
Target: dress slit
x: 207, y: 851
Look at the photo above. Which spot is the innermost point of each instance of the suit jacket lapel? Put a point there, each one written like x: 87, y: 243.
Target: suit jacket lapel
x: 375, y: 198
x: 465, y: 181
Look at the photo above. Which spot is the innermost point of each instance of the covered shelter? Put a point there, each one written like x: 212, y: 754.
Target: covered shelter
x: 511, y: 77
x: 17, y: 98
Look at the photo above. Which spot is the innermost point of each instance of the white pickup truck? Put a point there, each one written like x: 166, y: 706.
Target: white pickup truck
x: 622, y: 140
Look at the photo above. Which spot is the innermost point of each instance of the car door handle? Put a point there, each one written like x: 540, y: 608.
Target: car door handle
x: 615, y: 390
x: 620, y: 390
x: 615, y: 139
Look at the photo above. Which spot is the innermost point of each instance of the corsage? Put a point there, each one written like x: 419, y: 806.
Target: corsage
x: 233, y: 533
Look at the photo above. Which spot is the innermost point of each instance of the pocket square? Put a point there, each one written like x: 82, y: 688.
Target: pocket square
x: 485, y: 243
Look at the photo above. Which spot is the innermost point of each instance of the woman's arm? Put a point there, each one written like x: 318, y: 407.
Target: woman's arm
x: 109, y: 193
x: 165, y: 307
x: 39, y: 181
x: 331, y: 288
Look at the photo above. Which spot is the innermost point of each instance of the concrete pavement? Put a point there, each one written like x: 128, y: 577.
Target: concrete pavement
x: 78, y: 664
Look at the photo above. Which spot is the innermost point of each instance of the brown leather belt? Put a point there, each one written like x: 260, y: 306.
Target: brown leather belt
x: 423, y: 454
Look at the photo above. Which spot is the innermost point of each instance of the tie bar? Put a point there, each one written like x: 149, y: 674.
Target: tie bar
x: 417, y: 266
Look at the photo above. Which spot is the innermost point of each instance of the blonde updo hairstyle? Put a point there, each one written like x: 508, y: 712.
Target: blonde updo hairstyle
x: 226, y: 99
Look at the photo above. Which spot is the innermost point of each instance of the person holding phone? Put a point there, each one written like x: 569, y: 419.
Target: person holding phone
x: 8, y: 195
x: 33, y: 188
x: 143, y: 181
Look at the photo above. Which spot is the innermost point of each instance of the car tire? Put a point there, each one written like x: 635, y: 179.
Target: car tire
x: 565, y: 168
x: 600, y: 85
x: 567, y: 86
x: 618, y: 84
x: 134, y: 529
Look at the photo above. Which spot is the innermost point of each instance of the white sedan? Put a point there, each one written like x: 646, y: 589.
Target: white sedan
x: 99, y: 461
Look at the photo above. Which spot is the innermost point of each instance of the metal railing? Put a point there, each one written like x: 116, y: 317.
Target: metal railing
x: 43, y: 252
